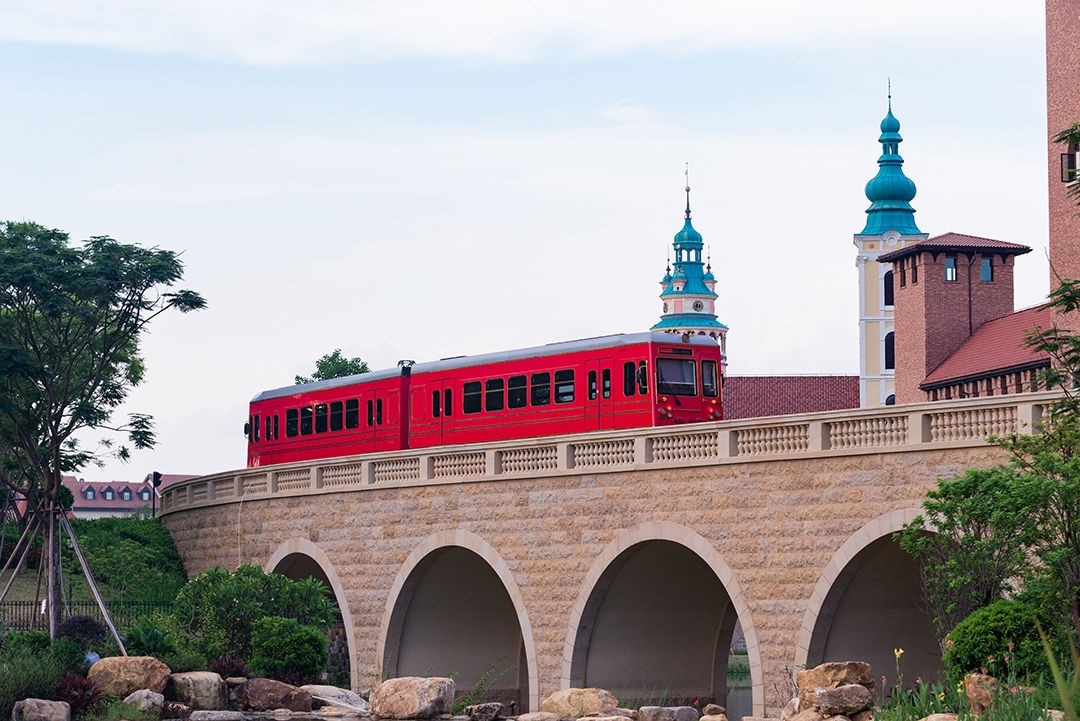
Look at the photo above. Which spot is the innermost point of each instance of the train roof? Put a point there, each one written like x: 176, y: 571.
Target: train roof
x: 572, y: 346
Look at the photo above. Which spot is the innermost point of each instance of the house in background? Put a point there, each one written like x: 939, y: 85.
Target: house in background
x: 103, y: 499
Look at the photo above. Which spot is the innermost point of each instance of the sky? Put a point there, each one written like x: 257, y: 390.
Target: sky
x: 428, y: 179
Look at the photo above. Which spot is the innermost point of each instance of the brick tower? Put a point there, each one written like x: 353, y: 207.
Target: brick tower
x: 1062, y: 110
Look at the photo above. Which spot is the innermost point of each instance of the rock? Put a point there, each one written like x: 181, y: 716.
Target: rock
x: 174, y: 710
x: 612, y: 712
x: 145, y: 701
x: 832, y: 675
x: 807, y: 715
x: 667, y: 713
x: 216, y: 716
x: 843, y: 700
x: 36, y: 709
x: 484, y: 711
x: 713, y: 709
x: 578, y: 702
x: 940, y: 717
x: 867, y: 715
x: 412, y: 697
x: 1052, y: 714
x: 538, y: 716
x: 323, y: 695
x: 123, y: 675
x: 980, y: 690
x: 201, y: 690
x: 715, y: 717
x: 790, y: 708
x: 264, y: 694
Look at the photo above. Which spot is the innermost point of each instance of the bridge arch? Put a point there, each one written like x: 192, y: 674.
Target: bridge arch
x: 867, y: 602
x: 473, y: 569
x: 299, y: 558
x: 639, y: 551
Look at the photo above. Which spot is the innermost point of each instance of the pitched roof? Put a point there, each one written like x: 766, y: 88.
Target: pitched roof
x: 79, y: 487
x: 956, y: 242
x: 759, y: 396
x: 996, y: 346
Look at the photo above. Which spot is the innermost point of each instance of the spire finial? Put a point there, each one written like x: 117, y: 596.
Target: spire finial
x: 890, y: 93
x: 687, y: 174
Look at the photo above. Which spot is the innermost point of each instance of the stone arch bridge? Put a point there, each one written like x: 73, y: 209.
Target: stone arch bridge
x: 627, y: 560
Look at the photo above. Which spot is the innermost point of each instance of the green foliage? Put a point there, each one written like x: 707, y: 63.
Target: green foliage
x: 215, y: 612
x: 286, y: 650
x: 911, y: 704
x: 1070, y: 136
x: 1001, y: 638
x: 334, y: 365
x: 481, y: 690
x: 114, y: 709
x: 87, y: 633
x: 132, y: 558
x: 30, y: 667
x: 979, y: 523
x: 149, y: 636
x: 181, y: 661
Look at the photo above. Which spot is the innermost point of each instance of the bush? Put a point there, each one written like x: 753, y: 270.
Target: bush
x: 81, y: 693
x: 286, y: 650
x: 214, y: 612
x: 134, y: 558
x: 149, y: 636
x: 1001, y: 638
x: 30, y: 668
x: 86, y: 632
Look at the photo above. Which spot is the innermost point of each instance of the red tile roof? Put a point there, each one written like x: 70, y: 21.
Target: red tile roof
x: 997, y: 345
x: 956, y: 242
x: 79, y: 487
x: 759, y: 396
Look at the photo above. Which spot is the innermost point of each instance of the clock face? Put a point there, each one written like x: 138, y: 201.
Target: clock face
x: 698, y: 305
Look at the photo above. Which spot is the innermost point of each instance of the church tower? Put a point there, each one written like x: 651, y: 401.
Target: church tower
x: 688, y: 290
x: 890, y: 225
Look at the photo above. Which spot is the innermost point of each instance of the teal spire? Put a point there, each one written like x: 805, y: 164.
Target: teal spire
x: 890, y: 191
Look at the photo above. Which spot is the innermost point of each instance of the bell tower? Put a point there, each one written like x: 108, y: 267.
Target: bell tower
x: 890, y: 225
x: 688, y: 290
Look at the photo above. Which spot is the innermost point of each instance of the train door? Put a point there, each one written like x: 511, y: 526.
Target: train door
x: 599, y: 403
x: 432, y: 409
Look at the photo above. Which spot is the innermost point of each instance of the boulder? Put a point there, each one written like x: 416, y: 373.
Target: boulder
x: 612, y: 711
x: 578, y: 702
x: 832, y: 675
x: 713, y: 709
x: 807, y: 715
x: 411, y: 697
x: 123, y: 675
x: 201, y: 690
x: 538, y: 716
x: 174, y: 710
x: 790, y: 708
x: 980, y: 690
x: 843, y: 700
x: 264, y: 694
x: 667, y: 713
x: 36, y: 709
x: 323, y: 695
x: 715, y: 717
x: 940, y: 717
x: 867, y: 715
x: 216, y: 716
x: 1052, y: 714
x: 484, y: 711
x: 145, y: 701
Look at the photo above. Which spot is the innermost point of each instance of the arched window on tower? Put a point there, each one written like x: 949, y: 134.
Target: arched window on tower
x: 888, y: 294
x: 890, y: 400
x: 890, y: 351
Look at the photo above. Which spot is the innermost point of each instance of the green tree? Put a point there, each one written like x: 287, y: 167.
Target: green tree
x: 334, y: 365
x: 71, y: 317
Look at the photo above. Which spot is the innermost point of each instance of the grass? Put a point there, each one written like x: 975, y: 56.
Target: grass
x: 25, y: 587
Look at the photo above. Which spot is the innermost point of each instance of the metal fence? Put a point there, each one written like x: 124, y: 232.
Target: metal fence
x: 24, y: 615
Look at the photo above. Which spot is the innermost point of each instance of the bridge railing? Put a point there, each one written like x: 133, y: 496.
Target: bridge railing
x: 849, y: 432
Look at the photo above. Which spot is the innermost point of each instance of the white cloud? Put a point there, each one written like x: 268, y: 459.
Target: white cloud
x: 278, y: 32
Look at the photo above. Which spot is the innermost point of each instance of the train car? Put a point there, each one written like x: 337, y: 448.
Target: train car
x: 610, y: 382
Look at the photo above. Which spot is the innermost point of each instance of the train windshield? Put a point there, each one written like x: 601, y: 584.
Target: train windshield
x: 676, y: 376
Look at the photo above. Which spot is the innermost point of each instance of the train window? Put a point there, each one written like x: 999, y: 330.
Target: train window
x: 471, y: 397
x: 493, y: 394
x: 592, y: 385
x: 247, y: 429
x: 378, y: 411
x: 291, y: 423
x: 352, y: 413
x: 434, y: 404
x: 306, y: 415
x: 275, y: 426
x: 268, y: 427
x: 517, y: 393
x: 677, y: 377
x: 605, y: 383
x: 370, y: 413
x: 642, y: 378
x: 629, y: 384
x: 540, y: 391
x: 564, y: 386
x: 321, y: 417
x: 709, y: 386
x: 255, y: 429
x: 448, y: 399
x: 336, y: 409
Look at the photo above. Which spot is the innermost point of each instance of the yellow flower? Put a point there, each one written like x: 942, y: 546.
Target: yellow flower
x: 898, y: 652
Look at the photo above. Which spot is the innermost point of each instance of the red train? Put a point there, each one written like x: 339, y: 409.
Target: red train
x: 617, y: 381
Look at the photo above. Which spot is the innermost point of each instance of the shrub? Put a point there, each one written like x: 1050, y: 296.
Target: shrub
x: 215, y: 611
x: 183, y: 661
x: 286, y: 650
x: 86, y: 632
x: 80, y: 692
x: 226, y: 666
x: 149, y: 636
x: 134, y: 557
x: 26, y: 674
x: 1001, y: 638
